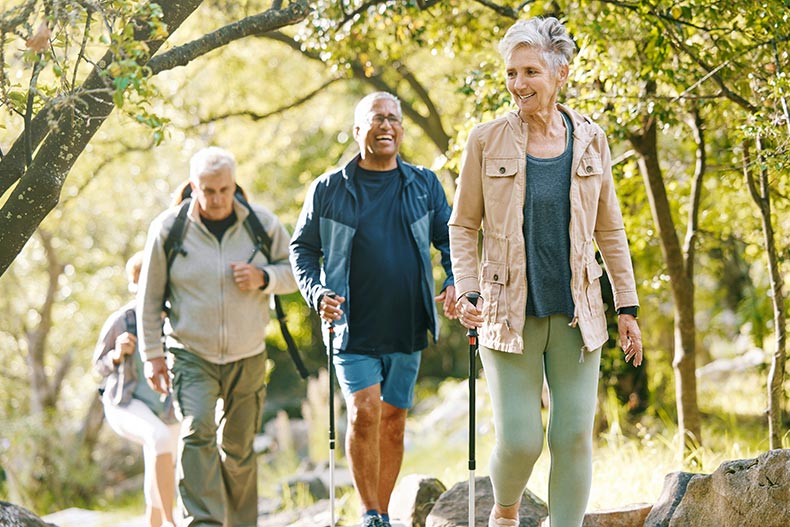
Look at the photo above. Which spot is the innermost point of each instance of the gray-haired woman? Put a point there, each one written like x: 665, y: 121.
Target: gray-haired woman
x: 539, y: 182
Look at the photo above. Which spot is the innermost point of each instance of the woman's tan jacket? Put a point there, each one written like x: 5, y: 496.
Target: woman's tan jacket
x: 491, y: 190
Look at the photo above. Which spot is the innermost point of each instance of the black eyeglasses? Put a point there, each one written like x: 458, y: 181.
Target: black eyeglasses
x: 379, y: 119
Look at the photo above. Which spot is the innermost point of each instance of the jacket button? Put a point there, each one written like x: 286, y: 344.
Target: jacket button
x: 501, y: 170
x: 589, y: 168
x: 496, y: 277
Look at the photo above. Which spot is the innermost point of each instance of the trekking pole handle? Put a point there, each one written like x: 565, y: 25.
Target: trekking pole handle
x: 473, y: 298
x: 331, y: 323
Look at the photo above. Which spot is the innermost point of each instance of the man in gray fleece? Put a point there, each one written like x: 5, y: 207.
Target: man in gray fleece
x: 218, y: 289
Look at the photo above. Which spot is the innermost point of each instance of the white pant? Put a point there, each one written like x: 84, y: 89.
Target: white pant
x: 139, y: 424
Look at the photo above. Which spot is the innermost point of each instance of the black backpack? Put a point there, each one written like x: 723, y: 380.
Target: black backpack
x: 174, y: 245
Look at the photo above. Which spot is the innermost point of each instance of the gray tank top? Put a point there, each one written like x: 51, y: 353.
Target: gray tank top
x: 547, y: 215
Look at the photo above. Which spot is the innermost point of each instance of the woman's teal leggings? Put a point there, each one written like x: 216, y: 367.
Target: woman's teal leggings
x: 515, y: 383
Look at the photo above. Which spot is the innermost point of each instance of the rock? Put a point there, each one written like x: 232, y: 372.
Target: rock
x: 414, y: 497
x: 315, y: 515
x: 722, y: 369
x: 452, y: 507
x: 15, y: 516
x: 312, y: 483
x: 628, y: 516
x: 343, y: 479
x: 743, y: 493
x: 675, y: 484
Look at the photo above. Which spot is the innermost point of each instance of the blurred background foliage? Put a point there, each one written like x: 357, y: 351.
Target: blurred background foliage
x: 283, y: 103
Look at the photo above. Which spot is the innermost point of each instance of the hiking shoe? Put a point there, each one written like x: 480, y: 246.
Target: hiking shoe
x: 385, y: 523
x: 372, y: 521
x: 501, y: 522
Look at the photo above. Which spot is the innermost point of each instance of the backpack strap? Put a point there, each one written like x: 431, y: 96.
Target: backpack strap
x: 131, y: 322
x: 293, y: 351
x: 263, y: 243
x: 261, y: 239
x: 174, y: 244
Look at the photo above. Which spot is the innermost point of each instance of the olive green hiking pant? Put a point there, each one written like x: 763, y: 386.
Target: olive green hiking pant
x: 515, y: 384
x: 217, y: 468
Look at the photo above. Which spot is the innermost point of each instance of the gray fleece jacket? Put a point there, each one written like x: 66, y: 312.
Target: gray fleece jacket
x: 209, y: 315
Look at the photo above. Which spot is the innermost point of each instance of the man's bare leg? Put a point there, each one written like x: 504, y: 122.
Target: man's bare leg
x: 362, y: 444
x: 391, y: 430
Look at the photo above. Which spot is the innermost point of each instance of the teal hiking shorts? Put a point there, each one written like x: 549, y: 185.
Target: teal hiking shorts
x: 396, y: 372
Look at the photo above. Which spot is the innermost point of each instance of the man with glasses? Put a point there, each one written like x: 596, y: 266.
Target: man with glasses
x: 361, y: 253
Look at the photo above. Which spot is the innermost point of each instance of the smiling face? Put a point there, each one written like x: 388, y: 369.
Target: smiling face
x: 530, y: 81
x: 379, y: 135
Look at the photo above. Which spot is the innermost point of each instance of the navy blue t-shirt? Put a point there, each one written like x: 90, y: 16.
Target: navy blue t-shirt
x: 547, y: 216
x: 386, y: 313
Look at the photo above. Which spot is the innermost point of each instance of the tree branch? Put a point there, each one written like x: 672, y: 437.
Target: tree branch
x: 83, y: 45
x: 700, y: 168
x: 358, y: 11
x: 31, y: 99
x: 747, y: 174
x: 678, y: 43
x: 431, y: 124
x: 505, y: 11
x: 261, y: 116
x: 255, y: 25
x: 113, y: 158
x: 636, y: 6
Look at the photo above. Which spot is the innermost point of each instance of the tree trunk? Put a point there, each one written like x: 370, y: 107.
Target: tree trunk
x: 38, y: 190
x: 682, y: 288
x: 91, y: 426
x: 762, y: 198
x: 42, y: 391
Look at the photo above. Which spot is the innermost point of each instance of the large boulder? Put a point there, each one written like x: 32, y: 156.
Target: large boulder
x: 414, y: 498
x: 15, y: 516
x: 629, y: 516
x: 742, y: 493
x: 452, y: 507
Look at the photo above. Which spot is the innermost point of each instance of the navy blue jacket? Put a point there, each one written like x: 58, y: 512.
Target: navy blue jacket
x: 326, y: 229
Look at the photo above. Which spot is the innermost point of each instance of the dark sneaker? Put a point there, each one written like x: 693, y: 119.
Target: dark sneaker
x: 385, y: 523
x: 372, y: 521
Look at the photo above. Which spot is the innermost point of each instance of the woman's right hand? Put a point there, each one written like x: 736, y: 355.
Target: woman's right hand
x: 125, y: 344
x: 469, y: 315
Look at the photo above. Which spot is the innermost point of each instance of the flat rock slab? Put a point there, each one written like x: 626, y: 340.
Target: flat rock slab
x: 75, y: 517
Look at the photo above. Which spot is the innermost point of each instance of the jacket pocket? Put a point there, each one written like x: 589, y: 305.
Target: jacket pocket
x: 500, y: 177
x: 592, y: 288
x: 590, y: 164
x: 501, y: 166
x: 492, y: 289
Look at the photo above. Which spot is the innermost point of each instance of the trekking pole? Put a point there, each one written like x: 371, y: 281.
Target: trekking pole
x: 472, y: 334
x: 330, y: 368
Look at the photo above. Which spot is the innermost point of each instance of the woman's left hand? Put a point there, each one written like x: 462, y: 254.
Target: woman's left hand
x: 470, y: 316
x: 630, y: 338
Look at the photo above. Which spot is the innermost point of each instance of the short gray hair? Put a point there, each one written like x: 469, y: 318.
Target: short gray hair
x: 363, y: 106
x: 547, y: 35
x: 210, y: 159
